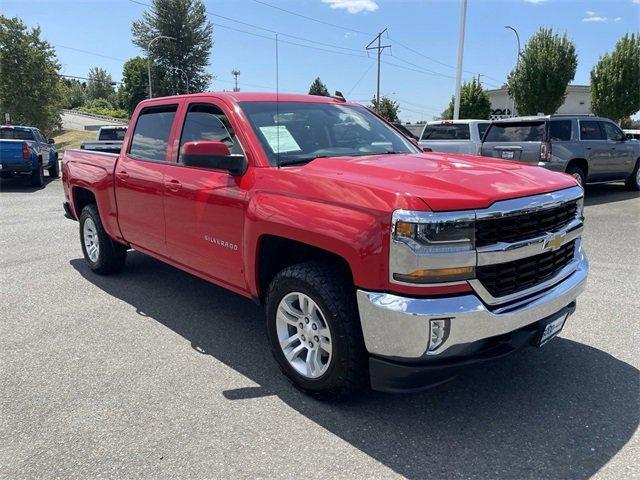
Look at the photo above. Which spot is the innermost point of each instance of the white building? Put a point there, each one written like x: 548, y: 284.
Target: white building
x: 578, y: 101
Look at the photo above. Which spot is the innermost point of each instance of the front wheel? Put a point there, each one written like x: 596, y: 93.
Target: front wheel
x: 633, y: 182
x: 314, y: 331
x: 102, y: 254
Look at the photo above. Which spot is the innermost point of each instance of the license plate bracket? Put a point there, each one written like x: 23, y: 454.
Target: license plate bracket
x: 507, y: 154
x: 551, y: 329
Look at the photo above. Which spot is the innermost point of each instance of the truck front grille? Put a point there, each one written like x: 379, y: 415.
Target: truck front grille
x: 524, y: 226
x: 506, y: 278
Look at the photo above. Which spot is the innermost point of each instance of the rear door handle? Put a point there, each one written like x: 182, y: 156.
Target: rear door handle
x: 122, y: 174
x: 587, y: 148
x: 173, y: 185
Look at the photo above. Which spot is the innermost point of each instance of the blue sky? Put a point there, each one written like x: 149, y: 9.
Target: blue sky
x: 419, y: 77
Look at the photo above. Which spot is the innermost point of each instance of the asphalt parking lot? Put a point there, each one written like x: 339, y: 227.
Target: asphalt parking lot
x: 155, y: 373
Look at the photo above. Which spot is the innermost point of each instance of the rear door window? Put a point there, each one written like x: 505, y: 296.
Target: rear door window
x: 560, y: 130
x: 516, y: 132
x: 151, y: 135
x: 446, y: 132
x: 590, y: 130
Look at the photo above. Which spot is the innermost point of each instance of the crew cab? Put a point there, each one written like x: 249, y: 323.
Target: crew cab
x: 378, y: 265
x: 26, y: 151
x: 108, y: 139
x: 454, y: 136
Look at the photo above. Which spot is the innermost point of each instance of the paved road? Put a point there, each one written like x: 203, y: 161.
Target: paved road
x: 154, y: 373
x: 77, y: 121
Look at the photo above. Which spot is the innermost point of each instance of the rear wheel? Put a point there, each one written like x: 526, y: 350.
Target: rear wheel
x: 633, y: 182
x: 54, y: 170
x: 102, y: 254
x: 577, y: 173
x: 314, y: 331
x: 37, y: 176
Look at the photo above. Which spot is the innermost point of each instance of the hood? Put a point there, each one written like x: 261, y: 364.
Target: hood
x: 443, y: 181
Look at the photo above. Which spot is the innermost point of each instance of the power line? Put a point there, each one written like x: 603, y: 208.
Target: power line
x: 90, y: 53
x: 312, y: 19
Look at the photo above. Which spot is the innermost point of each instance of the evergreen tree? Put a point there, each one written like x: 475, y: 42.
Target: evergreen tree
x: 186, y: 22
x: 318, y: 88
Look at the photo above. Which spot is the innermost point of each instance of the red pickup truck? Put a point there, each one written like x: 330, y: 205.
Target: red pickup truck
x: 379, y: 265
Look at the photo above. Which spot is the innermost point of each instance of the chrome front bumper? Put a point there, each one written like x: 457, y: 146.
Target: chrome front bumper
x: 398, y: 327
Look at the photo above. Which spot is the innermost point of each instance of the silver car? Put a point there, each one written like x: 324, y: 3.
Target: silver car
x: 592, y: 149
x: 454, y: 136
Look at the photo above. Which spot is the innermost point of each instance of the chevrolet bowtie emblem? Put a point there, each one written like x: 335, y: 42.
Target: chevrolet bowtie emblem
x: 555, y: 242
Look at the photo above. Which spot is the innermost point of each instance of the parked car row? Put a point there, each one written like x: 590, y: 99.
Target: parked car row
x: 591, y: 149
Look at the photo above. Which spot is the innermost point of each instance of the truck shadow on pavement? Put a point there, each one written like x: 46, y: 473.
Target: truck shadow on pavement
x: 560, y: 412
x: 607, y: 193
x: 22, y: 184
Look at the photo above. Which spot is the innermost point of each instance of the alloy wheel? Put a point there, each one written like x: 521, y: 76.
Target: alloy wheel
x: 91, y: 241
x: 303, y: 334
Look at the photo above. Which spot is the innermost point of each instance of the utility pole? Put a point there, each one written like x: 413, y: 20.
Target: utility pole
x: 463, y: 20
x: 379, y: 47
x: 509, y: 27
x: 235, y: 72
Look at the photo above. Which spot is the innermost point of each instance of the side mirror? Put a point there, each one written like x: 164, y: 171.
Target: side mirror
x: 628, y: 136
x: 51, y: 141
x: 212, y: 155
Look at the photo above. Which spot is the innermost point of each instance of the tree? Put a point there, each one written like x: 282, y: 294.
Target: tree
x: 100, y: 85
x: 615, y: 80
x: 135, y: 83
x: 388, y: 110
x: 539, y: 81
x: 474, y: 102
x: 186, y: 21
x: 30, y: 88
x: 74, y: 94
x: 318, y: 88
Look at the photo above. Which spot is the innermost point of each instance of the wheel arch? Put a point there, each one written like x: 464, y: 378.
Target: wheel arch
x: 581, y: 163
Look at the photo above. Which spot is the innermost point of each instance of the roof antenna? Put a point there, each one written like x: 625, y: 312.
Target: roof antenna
x: 277, y: 109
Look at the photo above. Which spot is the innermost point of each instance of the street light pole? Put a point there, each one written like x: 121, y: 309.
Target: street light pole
x: 463, y: 20
x: 186, y: 78
x: 149, y: 58
x: 509, y: 27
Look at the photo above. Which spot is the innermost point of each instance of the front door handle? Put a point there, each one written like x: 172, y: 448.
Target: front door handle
x: 173, y: 185
x: 122, y: 174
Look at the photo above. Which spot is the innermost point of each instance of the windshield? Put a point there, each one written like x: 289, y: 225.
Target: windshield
x: 303, y: 131
x: 15, y: 134
x: 116, y: 134
x: 516, y: 132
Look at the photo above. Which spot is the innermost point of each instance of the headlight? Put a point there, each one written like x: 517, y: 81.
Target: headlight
x: 431, y: 247
x: 580, y: 208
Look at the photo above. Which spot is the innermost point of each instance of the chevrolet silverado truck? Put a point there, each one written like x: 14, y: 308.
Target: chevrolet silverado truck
x: 26, y: 151
x: 378, y: 265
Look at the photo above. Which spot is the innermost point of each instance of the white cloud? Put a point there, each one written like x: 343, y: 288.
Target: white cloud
x: 590, y: 13
x: 596, y: 19
x: 538, y: 1
x: 354, y: 6
x: 617, y: 19
x: 635, y: 1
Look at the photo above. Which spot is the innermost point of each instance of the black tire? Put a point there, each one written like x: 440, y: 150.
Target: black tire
x: 633, y: 182
x: 575, y: 171
x: 54, y: 170
x: 111, y: 255
x: 37, y: 176
x: 347, y: 373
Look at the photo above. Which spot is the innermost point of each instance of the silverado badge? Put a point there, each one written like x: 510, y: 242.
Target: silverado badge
x: 555, y: 242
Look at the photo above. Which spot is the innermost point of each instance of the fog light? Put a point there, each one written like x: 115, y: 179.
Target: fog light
x: 438, y: 333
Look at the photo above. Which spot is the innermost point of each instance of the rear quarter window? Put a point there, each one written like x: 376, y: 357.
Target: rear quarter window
x: 446, y: 132
x: 560, y: 130
x: 516, y: 132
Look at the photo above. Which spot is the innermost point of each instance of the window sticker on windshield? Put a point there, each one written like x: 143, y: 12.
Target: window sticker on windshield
x: 280, y: 139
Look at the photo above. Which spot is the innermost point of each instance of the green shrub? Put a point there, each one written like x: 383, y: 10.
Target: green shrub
x: 107, y: 112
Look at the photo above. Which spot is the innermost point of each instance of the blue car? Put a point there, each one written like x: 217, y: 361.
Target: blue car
x: 26, y: 151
